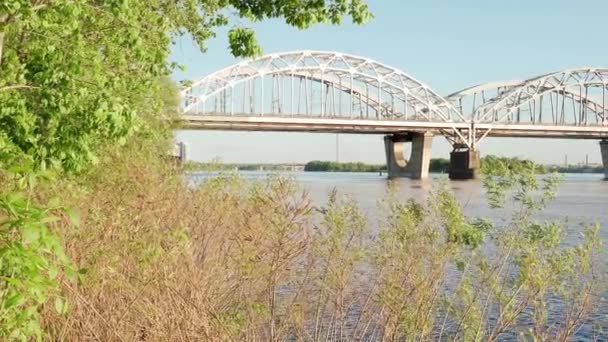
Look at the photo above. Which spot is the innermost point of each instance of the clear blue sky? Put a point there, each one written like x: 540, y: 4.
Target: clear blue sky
x: 448, y: 44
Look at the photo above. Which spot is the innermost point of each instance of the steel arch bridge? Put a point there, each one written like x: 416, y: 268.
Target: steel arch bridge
x: 322, y: 91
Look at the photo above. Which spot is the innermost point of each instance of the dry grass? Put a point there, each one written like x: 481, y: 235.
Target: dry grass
x: 238, y: 261
x: 164, y: 262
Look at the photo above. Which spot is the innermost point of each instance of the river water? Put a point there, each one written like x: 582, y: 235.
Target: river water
x: 581, y: 199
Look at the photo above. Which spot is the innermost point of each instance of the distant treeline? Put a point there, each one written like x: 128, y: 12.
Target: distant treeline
x: 200, y: 166
x: 330, y: 166
x: 577, y: 169
x: 436, y: 165
x: 514, y: 163
x: 439, y: 165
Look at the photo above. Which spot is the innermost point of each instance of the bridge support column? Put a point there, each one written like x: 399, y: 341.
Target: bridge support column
x: 179, y: 152
x: 464, y: 163
x: 417, y: 167
x: 604, y: 149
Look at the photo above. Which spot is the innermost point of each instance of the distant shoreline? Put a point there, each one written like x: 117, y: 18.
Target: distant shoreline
x: 437, y: 165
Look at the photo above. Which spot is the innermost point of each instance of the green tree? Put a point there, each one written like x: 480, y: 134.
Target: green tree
x: 439, y: 165
x: 530, y: 268
x: 75, y: 73
x: 81, y: 76
x: 491, y: 163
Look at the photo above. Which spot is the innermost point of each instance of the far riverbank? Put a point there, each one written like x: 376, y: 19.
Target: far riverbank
x: 436, y: 165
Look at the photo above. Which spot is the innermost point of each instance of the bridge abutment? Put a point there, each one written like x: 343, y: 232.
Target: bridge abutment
x: 464, y: 163
x: 417, y: 167
x: 604, y: 150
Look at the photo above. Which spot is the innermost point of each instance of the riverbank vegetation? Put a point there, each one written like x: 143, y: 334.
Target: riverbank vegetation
x: 219, y: 166
x: 82, y: 84
x: 102, y: 238
x: 438, y: 165
x: 231, y: 259
x: 577, y: 169
x: 329, y: 166
x: 488, y: 163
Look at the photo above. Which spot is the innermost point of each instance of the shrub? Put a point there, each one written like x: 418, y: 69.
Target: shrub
x: 231, y: 259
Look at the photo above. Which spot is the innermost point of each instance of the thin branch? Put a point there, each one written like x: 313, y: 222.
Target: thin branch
x: 87, y: 303
x: 18, y: 86
x: 1, y: 41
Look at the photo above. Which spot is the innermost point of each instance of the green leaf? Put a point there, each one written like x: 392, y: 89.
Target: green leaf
x: 74, y: 216
x: 61, y: 306
x: 13, y: 300
x: 243, y: 42
x: 30, y: 233
x: 53, y: 271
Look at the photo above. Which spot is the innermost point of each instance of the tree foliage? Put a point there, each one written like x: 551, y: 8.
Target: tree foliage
x: 532, y: 271
x: 31, y: 260
x: 439, y: 165
x: 78, y: 77
x: 75, y: 73
x: 330, y: 166
x: 436, y: 165
x: 491, y: 165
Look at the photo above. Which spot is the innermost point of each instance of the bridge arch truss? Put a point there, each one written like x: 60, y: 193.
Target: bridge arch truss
x: 570, y: 102
x: 325, y: 91
x: 321, y: 85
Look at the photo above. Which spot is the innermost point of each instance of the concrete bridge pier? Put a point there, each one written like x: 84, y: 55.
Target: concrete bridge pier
x: 179, y: 152
x: 604, y: 149
x: 464, y: 163
x: 417, y: 167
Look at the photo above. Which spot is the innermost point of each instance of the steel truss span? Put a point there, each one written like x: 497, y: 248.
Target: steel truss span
x: 570, y: 103
x: 336, y: 92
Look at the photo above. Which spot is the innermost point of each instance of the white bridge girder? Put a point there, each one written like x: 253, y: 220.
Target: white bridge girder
x: 317, y: 91
x: 317, y: 84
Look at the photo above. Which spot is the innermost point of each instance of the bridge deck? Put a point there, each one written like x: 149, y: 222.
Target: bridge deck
x: 362, y: 126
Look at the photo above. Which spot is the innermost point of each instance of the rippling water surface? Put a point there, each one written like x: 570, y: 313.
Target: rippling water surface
x: 581, y: 199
